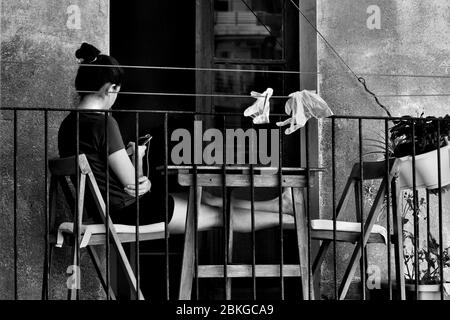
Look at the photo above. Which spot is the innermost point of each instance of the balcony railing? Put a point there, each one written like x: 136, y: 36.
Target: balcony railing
x: 390, y: 192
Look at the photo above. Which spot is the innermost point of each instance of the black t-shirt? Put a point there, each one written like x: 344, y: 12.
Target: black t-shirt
x: 93, y: 144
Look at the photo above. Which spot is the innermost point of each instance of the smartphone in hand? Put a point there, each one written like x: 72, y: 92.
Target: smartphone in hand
x: 144, y: 140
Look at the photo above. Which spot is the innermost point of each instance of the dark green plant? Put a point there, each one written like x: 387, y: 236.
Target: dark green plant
x: 425, y: 135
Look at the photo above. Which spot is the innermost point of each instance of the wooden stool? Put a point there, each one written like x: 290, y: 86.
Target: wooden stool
x: 294, y: 181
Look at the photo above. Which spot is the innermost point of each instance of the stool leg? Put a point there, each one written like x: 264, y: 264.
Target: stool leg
x: 230, y: 260
x: 302, y: 241
x: 230, y: 244
x: 187, y: 269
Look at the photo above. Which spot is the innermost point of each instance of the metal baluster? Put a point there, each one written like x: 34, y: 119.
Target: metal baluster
x: 361, y: 208
x: 441, y: 238
x: 416, y: 220
x: 252, y: 210
x: 77, y: 271
x: 308, y: 211
x: 225, y: 215
x: 136, y: 176
x: 15, y: 207
x: 388, y: 206
x: 197, y: 291
x: 280, y: 208
x: 333, y: 161
x: 166, y: 199
x: 46, y: 212
x: 107, y: 253
x: 428, y: 225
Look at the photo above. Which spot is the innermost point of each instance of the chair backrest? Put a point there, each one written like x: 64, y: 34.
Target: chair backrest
x: 374, y: 169
x: 65, y: 167
x: 60, y: 170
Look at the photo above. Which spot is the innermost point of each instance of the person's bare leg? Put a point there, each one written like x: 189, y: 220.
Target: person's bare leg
x: 242, y: 220
x: 210, y: 217
x: 271, y: 205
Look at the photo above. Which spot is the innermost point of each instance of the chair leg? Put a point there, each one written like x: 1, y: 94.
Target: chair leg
x: 360, y: 245
x: 97, y: 263
x: 117, y: 245
x: 398, y: 240
x: 325, y: 245
x: 320, y: 257
x: 187, y: 269
x: 302, y: 242
x: 363, y: 263
x: 73, y: 290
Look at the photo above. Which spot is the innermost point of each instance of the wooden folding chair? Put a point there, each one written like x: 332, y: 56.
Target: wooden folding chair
x: 371, y: 171
x: 91, y: 235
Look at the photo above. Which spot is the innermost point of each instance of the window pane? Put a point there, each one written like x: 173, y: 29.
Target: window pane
x: 242, y: 83
x: 248, y: 29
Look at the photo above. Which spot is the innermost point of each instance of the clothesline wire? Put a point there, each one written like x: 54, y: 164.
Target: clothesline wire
x: 236, y: 96
x: 172, y: 68
x: 193, y: 95
x: 359, y: 78
x: 397, y: 75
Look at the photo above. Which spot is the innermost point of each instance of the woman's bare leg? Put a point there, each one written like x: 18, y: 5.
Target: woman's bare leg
x: 208, y: 216
x: 266, y: 205
x: 211, y: 216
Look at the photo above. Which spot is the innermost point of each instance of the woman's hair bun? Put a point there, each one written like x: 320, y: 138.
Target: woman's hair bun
x: 87, y: 53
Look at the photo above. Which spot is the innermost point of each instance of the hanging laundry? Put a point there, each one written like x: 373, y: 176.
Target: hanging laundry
x: 260, y: 110
x: 303, y: 106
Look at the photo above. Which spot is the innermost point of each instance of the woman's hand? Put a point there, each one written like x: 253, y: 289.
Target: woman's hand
x: 131, y: 150
x: 144, y: 186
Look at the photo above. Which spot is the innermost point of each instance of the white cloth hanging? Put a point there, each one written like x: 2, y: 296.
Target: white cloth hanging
x: 260, y: 110
x: 302, y: 106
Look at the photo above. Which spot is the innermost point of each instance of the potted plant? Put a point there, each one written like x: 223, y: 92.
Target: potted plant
x: 426, y: 141
x: 428, y: 253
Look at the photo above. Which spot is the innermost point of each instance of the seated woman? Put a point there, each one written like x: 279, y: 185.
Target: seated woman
x: 98, y: 82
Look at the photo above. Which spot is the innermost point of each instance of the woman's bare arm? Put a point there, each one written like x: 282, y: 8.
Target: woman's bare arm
x: 122, y: 166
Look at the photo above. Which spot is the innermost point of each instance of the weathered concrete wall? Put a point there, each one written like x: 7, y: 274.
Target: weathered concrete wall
x: 38, y: 69
x: 412, y: 39
x: 38, y: 42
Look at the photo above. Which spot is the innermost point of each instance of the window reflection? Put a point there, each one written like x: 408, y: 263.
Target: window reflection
x: 248, y: 29
x: 242, y: 83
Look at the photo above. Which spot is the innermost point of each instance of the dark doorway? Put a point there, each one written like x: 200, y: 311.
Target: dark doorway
x: 156, y: 33
x: 153, y: 33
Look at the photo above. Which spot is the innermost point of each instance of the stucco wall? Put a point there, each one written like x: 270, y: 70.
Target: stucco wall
x: 413, y: 39
x: 38, y: 42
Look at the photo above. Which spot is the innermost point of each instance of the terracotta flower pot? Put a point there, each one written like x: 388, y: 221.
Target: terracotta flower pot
x: 426, y: 170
